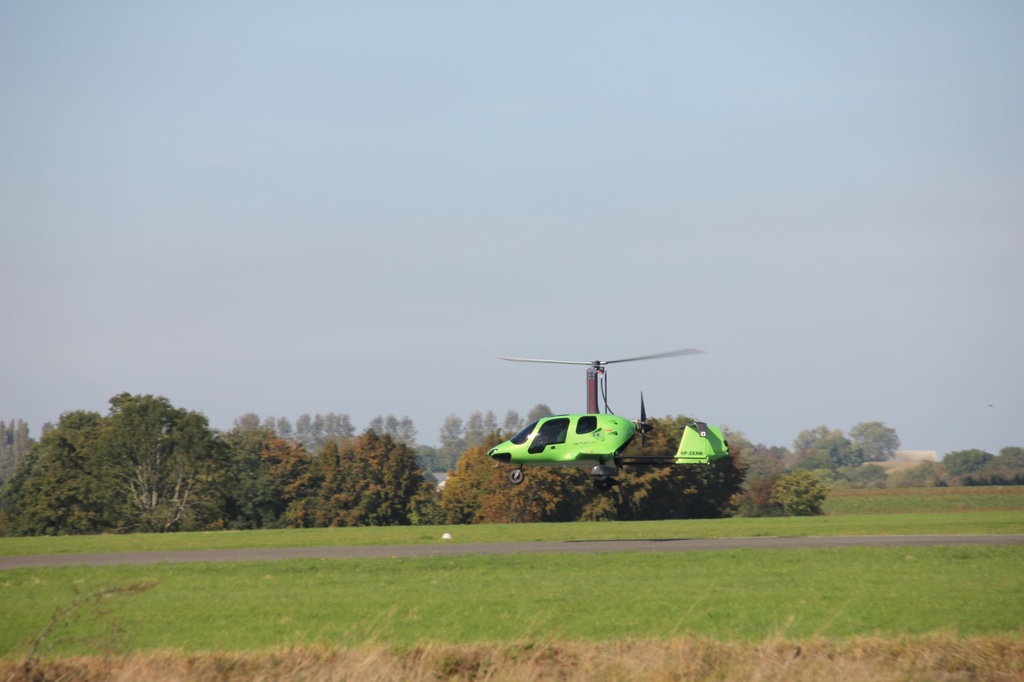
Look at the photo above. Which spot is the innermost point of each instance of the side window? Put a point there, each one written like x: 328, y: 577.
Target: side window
x: 586, y: 424
x: 551, y: 432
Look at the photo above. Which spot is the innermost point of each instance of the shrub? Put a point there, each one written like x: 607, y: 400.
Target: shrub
x: 964, y: 462
x: 800, y: 493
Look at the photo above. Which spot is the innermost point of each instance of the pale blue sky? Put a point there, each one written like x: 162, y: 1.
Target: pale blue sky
x: 289, y: 208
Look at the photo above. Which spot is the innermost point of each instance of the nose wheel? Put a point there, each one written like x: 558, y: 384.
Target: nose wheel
x: 516, y: 476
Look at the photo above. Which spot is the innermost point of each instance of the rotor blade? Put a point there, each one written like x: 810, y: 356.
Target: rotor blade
x: 599, y: 363
x: 669, y: 354
x: 643, y: 410
x: 550, y: 362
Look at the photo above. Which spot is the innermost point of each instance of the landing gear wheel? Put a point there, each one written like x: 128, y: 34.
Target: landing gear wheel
x: 603, y: 477
x: 516, y: 476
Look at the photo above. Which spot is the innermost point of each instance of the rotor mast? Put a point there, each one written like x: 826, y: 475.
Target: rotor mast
x: 594, y: 373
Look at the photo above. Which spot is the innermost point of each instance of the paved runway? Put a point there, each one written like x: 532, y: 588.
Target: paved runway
x: 454, y: 549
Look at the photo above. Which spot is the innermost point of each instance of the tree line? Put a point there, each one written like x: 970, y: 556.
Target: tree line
x: 823, y: 458
x: 150, y: 466
x: 454, y: 437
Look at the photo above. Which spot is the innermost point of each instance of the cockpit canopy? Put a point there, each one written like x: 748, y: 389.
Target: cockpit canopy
x: 555, y: 429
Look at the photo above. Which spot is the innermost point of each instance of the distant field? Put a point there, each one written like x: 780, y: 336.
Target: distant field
x: 925, y: 500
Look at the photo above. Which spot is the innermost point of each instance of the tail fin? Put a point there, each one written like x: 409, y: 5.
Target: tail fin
x: 701, y: 444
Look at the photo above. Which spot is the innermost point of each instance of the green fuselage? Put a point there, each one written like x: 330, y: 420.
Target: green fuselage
x: 567, y: 440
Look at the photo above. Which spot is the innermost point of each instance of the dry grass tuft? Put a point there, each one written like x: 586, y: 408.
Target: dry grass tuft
x: 936, y: 657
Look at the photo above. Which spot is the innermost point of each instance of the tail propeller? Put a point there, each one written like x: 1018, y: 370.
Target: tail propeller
x: 641, y: 425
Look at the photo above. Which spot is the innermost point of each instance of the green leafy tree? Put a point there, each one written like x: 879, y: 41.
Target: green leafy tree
x: 491, y: 423
x: 875, y: 441
x: 800, y: 493
x: 310, y: 431
x: 473, y: 479
x: 976, y: 467
x: 396, y: 477
x: 370, y: 481
x: 548, y: 494
x: 426, y: 457
x: 1011, y: 457
x: 425, y: 507
x: 805, y: 440
x: 252, y: 496
x: 339, y: 485
x: 677, y: 491
x: 250, y: 421
x: 338, y: 427
x: 146, y: 466
x: 538, y: 411
x: 757, y: 500
x: 823, y: 448
x: 651, y: 492
x: 401, y: 430
x: 963, y: 462
x: 924, y: 475
x: 479, y: 492
x: 55, y: 490
x: 474, y: 431
x: 1006, y: 468
x: 762, y: 467
x: 452, y: 442
x: 14, y: 444
x: 512, y: 423
x: 281, y: 426
x: 294, y: 480
x: 164, y: 461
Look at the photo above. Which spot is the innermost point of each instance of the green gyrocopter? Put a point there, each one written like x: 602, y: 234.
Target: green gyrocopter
x: 597, y: 441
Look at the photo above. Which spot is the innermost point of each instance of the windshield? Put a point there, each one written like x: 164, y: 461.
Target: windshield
x: 521, y: 437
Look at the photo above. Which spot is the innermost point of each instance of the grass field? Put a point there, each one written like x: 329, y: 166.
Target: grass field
x: 782, y: 614
x: 925, y: 500
x: 746, y: 595
x: 907, y: 523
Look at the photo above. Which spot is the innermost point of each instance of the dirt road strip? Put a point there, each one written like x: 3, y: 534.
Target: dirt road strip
x: 453, y: 549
